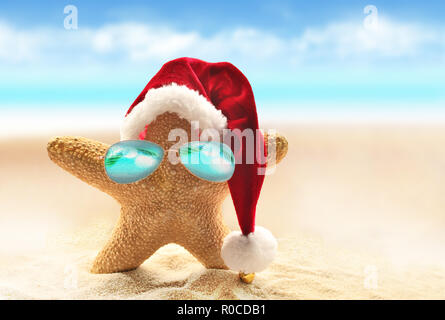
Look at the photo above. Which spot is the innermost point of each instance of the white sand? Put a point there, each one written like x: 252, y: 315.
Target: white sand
x: 306, y: 268
x: 359, y: 213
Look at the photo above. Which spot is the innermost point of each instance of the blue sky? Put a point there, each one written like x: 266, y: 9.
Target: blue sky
x: 207, y: 16
x: 298, y: 55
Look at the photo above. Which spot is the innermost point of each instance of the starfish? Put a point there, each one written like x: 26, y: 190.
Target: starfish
x: 169, y: 206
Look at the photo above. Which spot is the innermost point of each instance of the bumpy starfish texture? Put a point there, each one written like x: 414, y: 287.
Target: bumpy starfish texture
x: 169, y: 206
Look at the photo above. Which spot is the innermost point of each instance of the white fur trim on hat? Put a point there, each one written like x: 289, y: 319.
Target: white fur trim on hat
x: 251, y: 253
x: 187, y: 103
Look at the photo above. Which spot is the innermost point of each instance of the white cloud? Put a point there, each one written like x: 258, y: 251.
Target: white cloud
x: 386, y: 38
x: 144, y: 42
x: 140, y: 42
x: 16, y: 45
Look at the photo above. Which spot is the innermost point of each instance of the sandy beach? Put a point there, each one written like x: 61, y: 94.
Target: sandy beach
x: 358, y: 211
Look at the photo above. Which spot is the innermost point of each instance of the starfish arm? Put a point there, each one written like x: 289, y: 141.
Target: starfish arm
x: 203, y: 237
x: 83, y: 158
x: 277, y: 148
x: 135, y: 238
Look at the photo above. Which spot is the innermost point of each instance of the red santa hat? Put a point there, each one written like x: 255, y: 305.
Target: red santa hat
x: 219, y: 96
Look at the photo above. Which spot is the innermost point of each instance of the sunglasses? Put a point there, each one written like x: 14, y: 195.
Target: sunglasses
x: 133, y: 160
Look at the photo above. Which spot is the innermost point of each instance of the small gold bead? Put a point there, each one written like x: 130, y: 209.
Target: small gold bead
x: 246, y: 277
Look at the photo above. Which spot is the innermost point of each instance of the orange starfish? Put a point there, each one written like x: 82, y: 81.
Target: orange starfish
x: 169, y: 206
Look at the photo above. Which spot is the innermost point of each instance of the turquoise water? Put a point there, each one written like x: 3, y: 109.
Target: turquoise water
x: 130, y: 161
x: 212, y: 161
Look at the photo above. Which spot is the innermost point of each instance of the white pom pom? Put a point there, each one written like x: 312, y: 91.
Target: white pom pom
x: 251, y: 253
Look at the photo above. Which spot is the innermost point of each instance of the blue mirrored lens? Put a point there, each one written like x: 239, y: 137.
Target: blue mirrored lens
x: 132, y: 160
x: 212, y: 161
